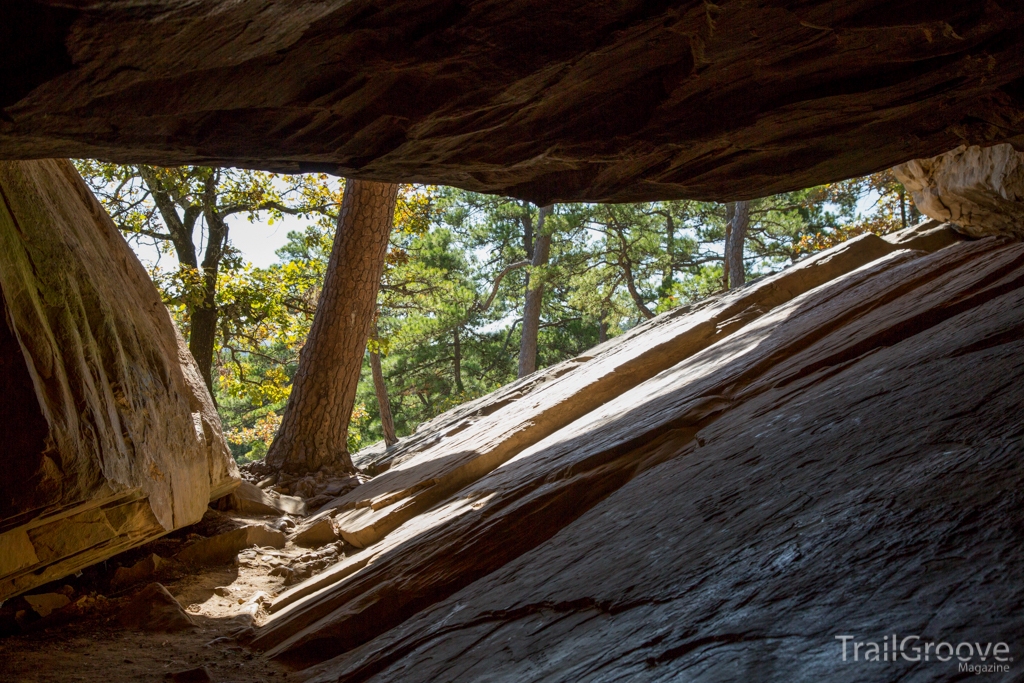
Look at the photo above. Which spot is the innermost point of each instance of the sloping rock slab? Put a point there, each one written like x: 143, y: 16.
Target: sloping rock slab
x: 572, y: 101
x: 462, y: 447
x: 251, y: 499
x: 319, y: 533
x: 842, y: 465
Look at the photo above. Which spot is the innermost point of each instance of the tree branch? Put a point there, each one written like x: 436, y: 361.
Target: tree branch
x: 477, y: 306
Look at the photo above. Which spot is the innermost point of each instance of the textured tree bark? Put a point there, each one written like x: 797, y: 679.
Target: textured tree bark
x: 314, y: 431
x: 527, y: 222
x: 457, y: 360
x: 387, y: 421
x: 203, y: 329
x: 668, y: 276
x: 736, y: 237
x: 730, y: 212
x: 534, y: 297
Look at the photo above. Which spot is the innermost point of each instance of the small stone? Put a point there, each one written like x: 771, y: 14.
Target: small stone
x: 155, y: 609
x: 138, y: 572
x: 45, y: 603
x: 198, y: 675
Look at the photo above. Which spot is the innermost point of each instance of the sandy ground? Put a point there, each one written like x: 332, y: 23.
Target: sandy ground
x: 91, y: 646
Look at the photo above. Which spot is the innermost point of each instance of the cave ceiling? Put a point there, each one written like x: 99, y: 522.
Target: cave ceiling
x: 579, y: 100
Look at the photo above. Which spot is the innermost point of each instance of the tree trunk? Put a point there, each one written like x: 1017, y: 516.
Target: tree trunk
x: 203, y: 329
x: 534, y: 297
x: 528, y: 230
x: 314, y: 431
x: 734, y: 243
x: 668, y: 276
x: 903, y: 208
x: 730, y: 212
x: 627, y: 271
x: 457, y: 361
x: 387, y: 422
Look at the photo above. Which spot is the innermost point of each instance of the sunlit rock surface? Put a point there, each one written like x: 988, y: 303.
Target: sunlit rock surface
x: 577, y: 100
x: 110, y: 436
x: 846, y: 461
x: 981, y: 190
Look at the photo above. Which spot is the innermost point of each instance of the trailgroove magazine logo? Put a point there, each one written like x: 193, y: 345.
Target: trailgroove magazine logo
x: 976, y: 658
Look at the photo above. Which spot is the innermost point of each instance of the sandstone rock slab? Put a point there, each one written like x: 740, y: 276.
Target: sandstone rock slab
x: 138, y: 572
x: 319, y: 533
x: 736, y: 508
x: 222, y: 548
x: 45, y: 603
x: 249, y: 498
x: 461, y: 446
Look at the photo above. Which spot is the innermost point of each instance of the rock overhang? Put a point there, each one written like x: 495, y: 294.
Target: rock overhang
x: 580, y: 101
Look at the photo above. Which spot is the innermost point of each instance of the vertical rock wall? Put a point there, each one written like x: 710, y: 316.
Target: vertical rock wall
x: 132, y: 446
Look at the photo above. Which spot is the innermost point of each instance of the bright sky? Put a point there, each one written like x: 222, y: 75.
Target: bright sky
x: 257, y: 241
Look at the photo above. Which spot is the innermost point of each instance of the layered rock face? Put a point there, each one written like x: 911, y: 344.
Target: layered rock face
x: 981, y: 190
x: 842, y: 458
x: 850, y: 471
x: 111, y: 438
x: 579, y: 100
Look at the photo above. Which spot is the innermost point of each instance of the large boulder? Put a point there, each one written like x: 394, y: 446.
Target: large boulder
x: 575, y: 100
x: 981, y: 190
x: 115, y: 439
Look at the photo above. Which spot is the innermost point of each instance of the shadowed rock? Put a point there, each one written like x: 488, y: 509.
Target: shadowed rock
x: 155, y: 609
x: 743, y: 505
x: 579, y: 100
x: 842, y: 465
